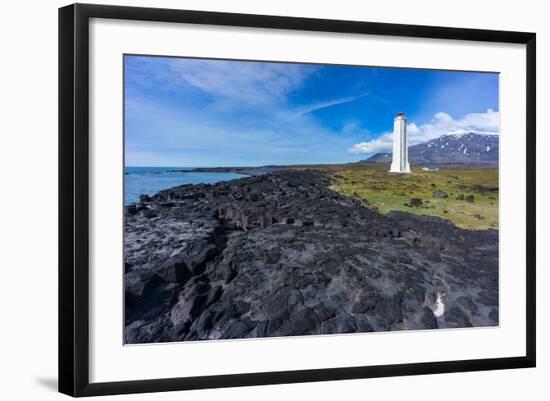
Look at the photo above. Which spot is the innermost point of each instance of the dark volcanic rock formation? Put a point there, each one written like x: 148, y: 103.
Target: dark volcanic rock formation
x: 282, y: 254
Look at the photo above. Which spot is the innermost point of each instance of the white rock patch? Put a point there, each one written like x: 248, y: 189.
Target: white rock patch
x: 439, y: 306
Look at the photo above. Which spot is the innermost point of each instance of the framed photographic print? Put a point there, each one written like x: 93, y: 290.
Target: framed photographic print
x: 249, y: 199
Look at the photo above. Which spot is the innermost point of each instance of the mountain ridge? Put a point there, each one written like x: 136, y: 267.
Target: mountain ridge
x: 454, y: 148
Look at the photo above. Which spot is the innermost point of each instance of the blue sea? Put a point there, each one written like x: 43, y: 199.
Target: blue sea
x: 150, y: 180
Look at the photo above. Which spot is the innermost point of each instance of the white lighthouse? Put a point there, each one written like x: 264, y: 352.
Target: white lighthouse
x: 400, y: 160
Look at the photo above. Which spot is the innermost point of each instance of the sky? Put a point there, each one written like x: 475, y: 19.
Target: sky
x: 204, y: 113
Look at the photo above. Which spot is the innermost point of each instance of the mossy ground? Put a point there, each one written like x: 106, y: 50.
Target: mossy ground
x: 389, y: 191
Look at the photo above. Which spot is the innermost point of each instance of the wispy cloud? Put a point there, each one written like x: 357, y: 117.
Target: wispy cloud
x: 326, y: 104
x: 441, y: 124
x: 248, y: 82
x: 186, y: 138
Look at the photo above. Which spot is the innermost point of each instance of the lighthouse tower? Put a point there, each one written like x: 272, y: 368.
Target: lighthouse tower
x: 400, y: 161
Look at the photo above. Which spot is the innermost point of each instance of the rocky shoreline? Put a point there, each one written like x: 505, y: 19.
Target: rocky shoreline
x: 251, y: 171
x: 281, y: 254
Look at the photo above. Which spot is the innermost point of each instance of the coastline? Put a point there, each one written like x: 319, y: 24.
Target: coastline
x: 259, y: 170
x: 248, y: 171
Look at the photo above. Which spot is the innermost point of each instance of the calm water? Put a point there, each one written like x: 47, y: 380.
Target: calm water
x: 150, y: 180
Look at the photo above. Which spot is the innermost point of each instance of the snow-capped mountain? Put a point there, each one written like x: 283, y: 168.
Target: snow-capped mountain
x: 459, y: 148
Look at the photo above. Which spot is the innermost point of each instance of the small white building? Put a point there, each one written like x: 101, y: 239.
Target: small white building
x: 400, y: 160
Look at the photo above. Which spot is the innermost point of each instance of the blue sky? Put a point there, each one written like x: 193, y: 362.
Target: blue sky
x: 196, y: 112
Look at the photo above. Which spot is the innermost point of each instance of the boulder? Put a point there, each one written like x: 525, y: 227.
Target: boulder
x: 440, y: 194
x: 144, y: 199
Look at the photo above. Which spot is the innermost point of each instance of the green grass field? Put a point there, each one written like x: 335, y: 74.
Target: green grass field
x: 389, y: 191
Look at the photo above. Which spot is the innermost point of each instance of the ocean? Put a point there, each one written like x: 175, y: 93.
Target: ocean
x: 150, y: 180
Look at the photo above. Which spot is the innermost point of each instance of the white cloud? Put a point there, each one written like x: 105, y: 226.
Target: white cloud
x: 441, y: 124
x: 378, y: 145
x: 256, y: 83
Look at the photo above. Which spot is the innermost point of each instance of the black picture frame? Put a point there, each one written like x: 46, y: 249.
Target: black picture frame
x: 74, y: 200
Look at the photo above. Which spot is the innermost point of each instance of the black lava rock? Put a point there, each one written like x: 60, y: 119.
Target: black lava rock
x: 281, y: 254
